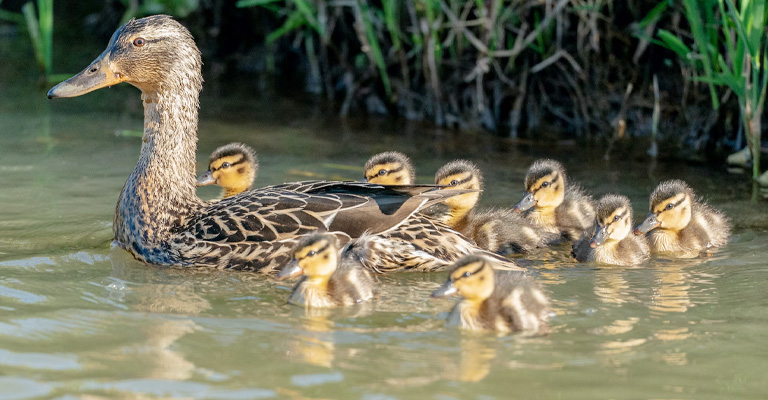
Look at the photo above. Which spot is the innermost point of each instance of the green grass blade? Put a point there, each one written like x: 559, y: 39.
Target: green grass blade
x: 294, y: 20
x: 12, y: 17
x: 672, y: 42
x: 375, y: 48
x: 28, y: 10
x: 254, y: 3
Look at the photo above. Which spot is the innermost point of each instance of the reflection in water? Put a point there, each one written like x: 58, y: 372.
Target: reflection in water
x: 671, y: 290
x: 476, y: 358
x: 611, y: 287
x: 315, y: 345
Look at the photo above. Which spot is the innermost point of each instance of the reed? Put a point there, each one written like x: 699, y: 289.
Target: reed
x: 728, y: 51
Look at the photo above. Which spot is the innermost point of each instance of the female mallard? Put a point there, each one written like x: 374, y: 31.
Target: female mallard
x: 497, y: 230
x: 329, y: 279
x: 613, y: 242
x: 554, y: 205
x: 233, y: 167
x: 680, y: 224
x: 159, y: 218
x: 494, y: 300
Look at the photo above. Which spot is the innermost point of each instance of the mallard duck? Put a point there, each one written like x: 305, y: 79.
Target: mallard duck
x: 160, y: 220
x: 330, y: 279
x: 494, y: 300
x: 613, y: 242
x: 553, y: 204
x: 680, y: 224
x: 390, y: 168
x: 233, y: 167
x: 498, y: 230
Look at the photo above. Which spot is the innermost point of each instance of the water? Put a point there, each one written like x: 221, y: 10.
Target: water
x: 80, y: 318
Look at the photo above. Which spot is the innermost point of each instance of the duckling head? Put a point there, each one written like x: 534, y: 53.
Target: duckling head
x: 670, y: 207
x: 544, y: 186
x: 155, y: 54
x: 471, y: 277
x: 315, y: 256
x: 614, y: 219
x: 461, y: 174
x: 233, y: 167
x: 390, y: 168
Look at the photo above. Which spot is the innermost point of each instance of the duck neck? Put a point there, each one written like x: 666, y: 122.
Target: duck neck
x: 160, y: 193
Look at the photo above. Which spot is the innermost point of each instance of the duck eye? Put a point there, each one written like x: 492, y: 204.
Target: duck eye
x: 138, y: 42
x: 616, y: 218
x: 226, y: 165
x: 669, y: 206
x: 466, y: 274
x: 454, y: 183
x: 382, y: 172
x: 545, y: 184
x: 311, y: 253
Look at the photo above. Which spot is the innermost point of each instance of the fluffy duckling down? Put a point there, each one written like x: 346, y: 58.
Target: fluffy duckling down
x: 498, y: 230
x: 492, y: 300
x: 680, y: 224
x: 330, y: 278
x: 233, y: 167
x: 613, y: 242
x: 553, y: 204
x: 390, y: 168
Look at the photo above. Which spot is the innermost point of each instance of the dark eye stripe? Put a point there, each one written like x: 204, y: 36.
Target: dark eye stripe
x: 620, y: 217
x: 471, y: 273
x: 552, y: 182
x: 322, y: 249
x: 673, y: 205
x: 465, y: 180
x: 240, y: 161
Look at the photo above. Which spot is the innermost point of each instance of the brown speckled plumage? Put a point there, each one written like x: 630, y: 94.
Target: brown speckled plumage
x: 159, y: 218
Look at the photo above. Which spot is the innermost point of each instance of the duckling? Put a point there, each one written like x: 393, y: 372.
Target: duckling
x: 330, y: 279
x: 498, y: 230
x: 494, y: 300
x: 613, y: 243
x: 233, y: 167
x: 554, y: 205
x: 390, y: 168
x: 680, y: 224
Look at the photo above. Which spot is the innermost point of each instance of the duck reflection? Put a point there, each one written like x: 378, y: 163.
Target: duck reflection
x: 671, y: 292
x: 611, y: 286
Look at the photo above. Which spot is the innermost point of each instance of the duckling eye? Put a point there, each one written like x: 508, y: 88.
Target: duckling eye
x: 311, y: 253
x: 545, y: 184
x: 616, y: 218
x: 138, y: 42
x: 454, y: 183
x: 382, y: 172
x: 466, y: 274
x: 669, y: 206
x: 226, y: 165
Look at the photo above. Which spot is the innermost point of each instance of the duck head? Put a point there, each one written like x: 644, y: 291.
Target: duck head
x: 670, y: 207
x: 155, y: 54
x: 389, y: 168
x: 461, y: 174
x: 614, y: 219
x: 544, y: 186
x: 233, y: 167
x: 471, y: 277
x: 315, y: 256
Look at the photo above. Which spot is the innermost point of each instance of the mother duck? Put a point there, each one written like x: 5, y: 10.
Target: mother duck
x: 160, y: 219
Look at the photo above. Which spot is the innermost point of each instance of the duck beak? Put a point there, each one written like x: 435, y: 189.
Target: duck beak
x: 206, y: 179
x: 446, y: 290
x: 364, y: 180
x: 526, y: 203
x: 600, y: 236
x: 289, y: 271
x: 649, y: 224
x: 95, y: 76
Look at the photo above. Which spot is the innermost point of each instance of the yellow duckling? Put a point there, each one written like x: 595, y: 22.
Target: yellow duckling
x: 500, y: 301
x: 330, y: 279
x: 497, y: 230
x: 233, y: 167
x: 613, y: 242
x: 680, y: 224
x: 390, y: 168
x: 554, y: 205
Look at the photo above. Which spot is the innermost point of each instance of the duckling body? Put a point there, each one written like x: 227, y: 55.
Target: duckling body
x: 160, y: 220
x: 494, y: 300
x: 554, y: 205
x: 233, y: 167
x: 681, y: 225
x: 498, y: 230
x: 613, y: 242
x: 329, y: 279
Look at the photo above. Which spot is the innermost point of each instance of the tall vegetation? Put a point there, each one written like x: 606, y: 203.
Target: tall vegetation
x: 727, y: 47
